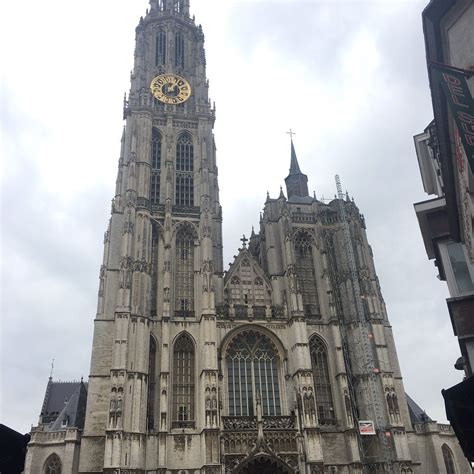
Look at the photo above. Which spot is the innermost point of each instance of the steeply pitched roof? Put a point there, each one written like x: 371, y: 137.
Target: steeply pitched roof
x: 64, y: 401
x: 294, y: 166
x: 417, y: 414
x: 296, y: 182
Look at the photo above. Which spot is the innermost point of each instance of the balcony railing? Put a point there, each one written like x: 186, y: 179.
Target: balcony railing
x: 183, y: 424
x: 242, y: 311
x: 184, y: 314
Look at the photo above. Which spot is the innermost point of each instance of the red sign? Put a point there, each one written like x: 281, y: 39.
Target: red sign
x: 367, y: 428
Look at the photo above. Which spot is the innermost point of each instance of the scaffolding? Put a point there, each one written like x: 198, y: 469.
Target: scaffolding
x: 363, y: 374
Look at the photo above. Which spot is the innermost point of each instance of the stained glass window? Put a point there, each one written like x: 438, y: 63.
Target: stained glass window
x: 448, y: 459
x: 53, y: 465
x: 252, y: 372
x: 185, y: 171
x: 322, y: 381
x: 305, y: 273
x: 183, y: 382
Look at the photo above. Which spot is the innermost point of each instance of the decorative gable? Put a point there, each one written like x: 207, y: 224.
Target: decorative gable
x: 245, y: 282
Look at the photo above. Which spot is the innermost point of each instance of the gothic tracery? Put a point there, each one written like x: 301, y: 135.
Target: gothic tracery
x: 252, y: 373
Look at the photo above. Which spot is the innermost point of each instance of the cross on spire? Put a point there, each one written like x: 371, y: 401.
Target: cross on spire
x: 291, y: 133
x: 244, y: 241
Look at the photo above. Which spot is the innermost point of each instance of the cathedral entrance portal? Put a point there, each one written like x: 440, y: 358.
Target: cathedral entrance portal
x: 263, y: 465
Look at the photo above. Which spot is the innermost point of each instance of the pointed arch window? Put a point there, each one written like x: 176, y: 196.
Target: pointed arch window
x: 155, y: 166
x: 151, y: 385
x: 259, y: 292
x: 53, y: 465
x: 322, y: 382
x: 448, y: 459
x: 393, y: 407
x: 179, y: 49
x: 183, y: 382
x: 160, y: 48
x: 252, y: 374
x: 185, y: 171
x: 184, y: 273
x: 305, y: 273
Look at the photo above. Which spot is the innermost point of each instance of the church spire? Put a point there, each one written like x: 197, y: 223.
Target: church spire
x: 294, y: 166
x: 296, y: 182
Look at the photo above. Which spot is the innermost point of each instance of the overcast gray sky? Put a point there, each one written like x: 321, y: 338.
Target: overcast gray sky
x: 348, y: 76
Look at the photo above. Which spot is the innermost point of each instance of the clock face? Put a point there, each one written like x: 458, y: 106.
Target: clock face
x: 171, y: 88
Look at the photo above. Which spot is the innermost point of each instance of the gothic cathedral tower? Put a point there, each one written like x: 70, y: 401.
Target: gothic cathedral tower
x: 162, y: 262
x: 285, y: 363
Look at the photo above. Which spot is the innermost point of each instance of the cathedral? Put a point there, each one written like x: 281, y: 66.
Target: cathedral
x: 285, y: 362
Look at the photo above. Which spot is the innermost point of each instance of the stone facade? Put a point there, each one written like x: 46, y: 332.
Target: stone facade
x: 268, y: 366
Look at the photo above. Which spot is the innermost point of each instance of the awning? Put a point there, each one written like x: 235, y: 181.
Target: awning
x: 459, y: 402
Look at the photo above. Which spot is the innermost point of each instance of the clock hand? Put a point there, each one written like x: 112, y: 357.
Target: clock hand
x: 173, y: 86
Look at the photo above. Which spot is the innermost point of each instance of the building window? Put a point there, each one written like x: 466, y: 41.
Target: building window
x: 185, y: 171
x: 322, y: 382
x: 155, y: 166
x: 184, y: 272
x: 53, y: 465
x: 252, y: 374
x: 150, y: 416
x: 463, y: 276
x: 305, y: 274
x: 160, y: 54
x: 183, y: 382
x: 448, y: 459
x: 179, y: 50
x: 393, y: 408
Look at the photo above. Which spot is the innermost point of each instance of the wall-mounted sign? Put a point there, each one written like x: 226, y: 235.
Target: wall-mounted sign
x: 367, y: 428
x: 461, y: 104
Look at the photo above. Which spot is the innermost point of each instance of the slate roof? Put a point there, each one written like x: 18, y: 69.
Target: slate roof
x: 64, y: 402
x: 294, y: 165
x: 417, y: 414
x: 300, y: 199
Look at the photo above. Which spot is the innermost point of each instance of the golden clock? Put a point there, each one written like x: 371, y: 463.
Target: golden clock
x: 170, y: 88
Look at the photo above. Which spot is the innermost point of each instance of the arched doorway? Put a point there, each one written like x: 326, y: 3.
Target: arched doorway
x: 264, y: 464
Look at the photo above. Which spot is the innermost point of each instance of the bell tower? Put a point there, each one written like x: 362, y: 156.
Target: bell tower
x: 162, y: 264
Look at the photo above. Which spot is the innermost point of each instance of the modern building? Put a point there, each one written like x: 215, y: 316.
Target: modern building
x: 445, y: 153
x: 283, y: 363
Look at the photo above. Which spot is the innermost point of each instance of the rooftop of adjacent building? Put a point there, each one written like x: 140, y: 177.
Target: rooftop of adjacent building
x: 64, y: 405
